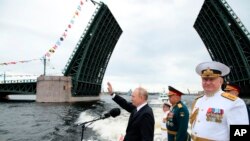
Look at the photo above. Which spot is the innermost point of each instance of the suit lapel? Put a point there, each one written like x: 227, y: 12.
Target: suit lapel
x: 134, y: 114
x: 131, y: 118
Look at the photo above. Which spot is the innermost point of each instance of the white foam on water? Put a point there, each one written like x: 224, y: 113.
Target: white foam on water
x: 110, y: 128
x: 84, y: 117
x: 113, y: 128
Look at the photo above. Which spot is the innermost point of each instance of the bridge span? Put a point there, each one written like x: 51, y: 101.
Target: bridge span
x: 227, y: 40
x: 85, y: 69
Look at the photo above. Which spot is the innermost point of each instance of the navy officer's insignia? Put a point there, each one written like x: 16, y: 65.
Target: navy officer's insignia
x: 170, y: 115
x: 215, y: 114
x: 229, y: 96
x: 179, y: 105
x: 182, y: 114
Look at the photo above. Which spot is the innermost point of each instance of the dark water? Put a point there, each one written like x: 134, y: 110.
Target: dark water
x: 31, y: 121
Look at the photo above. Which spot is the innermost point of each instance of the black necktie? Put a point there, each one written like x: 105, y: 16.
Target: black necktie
x: 134, y: 112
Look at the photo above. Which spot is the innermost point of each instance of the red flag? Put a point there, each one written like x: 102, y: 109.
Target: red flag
x: 47, y: 54
x: 64, y: 35
x: 55, y: 47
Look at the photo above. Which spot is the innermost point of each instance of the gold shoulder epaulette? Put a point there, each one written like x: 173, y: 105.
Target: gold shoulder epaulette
x: 229, y: 96
x: 199, y: 96
x: 179, y: 105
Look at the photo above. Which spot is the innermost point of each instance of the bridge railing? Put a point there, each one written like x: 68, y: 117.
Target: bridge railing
x: 80, y: 40
x: 18, y: 81
x: 237, y: 19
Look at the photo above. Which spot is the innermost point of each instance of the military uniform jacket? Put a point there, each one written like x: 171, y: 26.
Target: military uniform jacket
x: 177, y: 123
x: 141, y: 124
x: 215, y: 115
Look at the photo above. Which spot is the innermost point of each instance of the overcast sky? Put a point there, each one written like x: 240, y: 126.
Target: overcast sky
x: 158, y: 47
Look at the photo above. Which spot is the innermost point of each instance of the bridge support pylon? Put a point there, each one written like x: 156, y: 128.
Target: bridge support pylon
x: 58, y: 89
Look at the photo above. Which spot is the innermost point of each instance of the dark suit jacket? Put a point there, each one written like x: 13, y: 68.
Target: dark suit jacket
x: 141, y: 124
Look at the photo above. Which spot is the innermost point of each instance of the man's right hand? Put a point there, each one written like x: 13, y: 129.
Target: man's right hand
x: 110, y: 90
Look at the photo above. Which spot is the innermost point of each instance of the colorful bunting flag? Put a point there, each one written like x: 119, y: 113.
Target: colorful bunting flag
x: 58, y: 42
x: 64, y: 35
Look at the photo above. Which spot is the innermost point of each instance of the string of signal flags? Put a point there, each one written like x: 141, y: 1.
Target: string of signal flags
x: 59, y: 41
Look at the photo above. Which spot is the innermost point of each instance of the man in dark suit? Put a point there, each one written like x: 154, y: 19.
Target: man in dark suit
x: 141, y: 121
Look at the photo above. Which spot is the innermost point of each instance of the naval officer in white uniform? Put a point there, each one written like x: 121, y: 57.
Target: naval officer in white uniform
x: 214, y: 112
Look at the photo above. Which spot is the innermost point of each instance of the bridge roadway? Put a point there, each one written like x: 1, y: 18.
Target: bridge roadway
x: 17, y: 87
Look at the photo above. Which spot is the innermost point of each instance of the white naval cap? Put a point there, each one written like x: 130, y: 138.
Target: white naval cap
x: 212, y: 69
x: 167, y: 103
